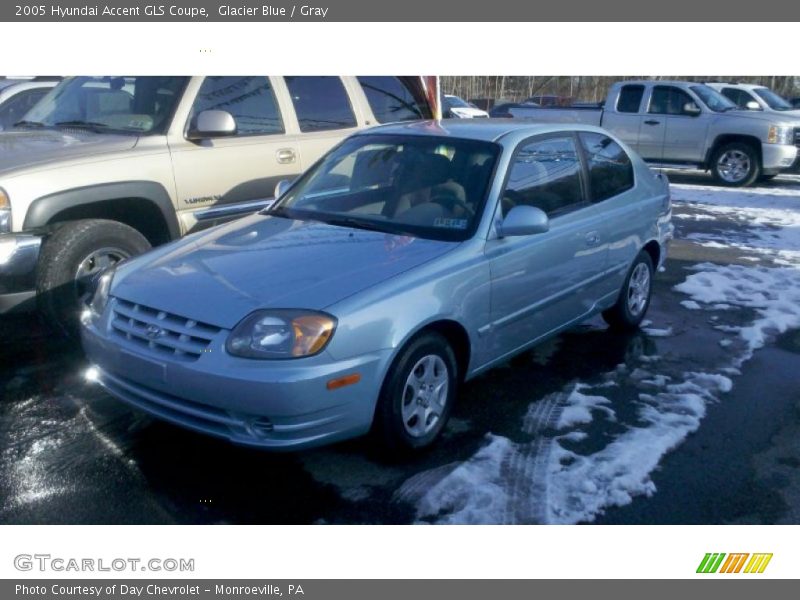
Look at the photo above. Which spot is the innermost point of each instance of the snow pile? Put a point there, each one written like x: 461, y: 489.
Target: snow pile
x: 774, y: 294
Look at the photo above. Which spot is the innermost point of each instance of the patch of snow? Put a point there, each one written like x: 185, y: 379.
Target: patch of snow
x: 656, y: 332
x: 690, y: 304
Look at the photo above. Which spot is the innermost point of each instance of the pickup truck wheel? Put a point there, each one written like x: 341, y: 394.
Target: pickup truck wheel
x: 634, y: 299
x: 417, y: 396
x: 72, y: 257
x: 736, y: 165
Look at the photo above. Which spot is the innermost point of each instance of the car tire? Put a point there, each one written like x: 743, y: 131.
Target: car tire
x: 737, y: 164
x: 409, y: 416
x: 634, y: 298
x: 70, y: 259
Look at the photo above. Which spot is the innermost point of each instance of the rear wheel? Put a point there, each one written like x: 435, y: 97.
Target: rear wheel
x: 72, y: 257
x: 634, y: 299
x: 736, y: 164
x: 417, y: 395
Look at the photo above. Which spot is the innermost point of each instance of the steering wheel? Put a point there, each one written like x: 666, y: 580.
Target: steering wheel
x: 450, y: 202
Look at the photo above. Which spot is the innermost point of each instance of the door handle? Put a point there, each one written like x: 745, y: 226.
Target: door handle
x: 652, y: 122
x: 592, y: 238
x: 286, y: 156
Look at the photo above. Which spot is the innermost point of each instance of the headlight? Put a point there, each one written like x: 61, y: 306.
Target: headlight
x: 100, y: 298
x: 781, y: 134
x: 279, y: 334
x: 5, y: 212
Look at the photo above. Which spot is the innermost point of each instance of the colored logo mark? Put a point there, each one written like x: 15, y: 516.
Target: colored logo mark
x: 719, y: 562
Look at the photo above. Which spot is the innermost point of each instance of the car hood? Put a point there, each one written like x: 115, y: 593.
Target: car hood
x: 267, y: 262
x: 772, y: 118
x: 38, y: 147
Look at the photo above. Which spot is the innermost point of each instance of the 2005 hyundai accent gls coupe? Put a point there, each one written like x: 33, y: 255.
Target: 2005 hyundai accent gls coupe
x: 409, y: 259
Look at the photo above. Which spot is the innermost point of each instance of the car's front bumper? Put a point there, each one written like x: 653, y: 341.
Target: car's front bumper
x: 19, y: 254
x: 776, y: 158
x: 280, y: 405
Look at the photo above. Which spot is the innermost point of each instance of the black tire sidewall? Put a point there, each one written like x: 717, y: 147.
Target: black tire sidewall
x: 61, y: 255
x: 389, y: 420
x: 755, y: 164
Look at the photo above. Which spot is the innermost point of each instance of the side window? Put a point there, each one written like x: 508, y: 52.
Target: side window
x: 321, y: 103
x: 250, y: 100
x: 630, y: 98
x: 546, y: 173
x: 735, y: 96
x: 15, y: 108
x: 667, y: 100
x: 610, y: 168
x: 392, y: 100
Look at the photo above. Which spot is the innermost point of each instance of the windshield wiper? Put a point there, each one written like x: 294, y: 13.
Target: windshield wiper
x: 83, y: 124
x: 351, y: 222
x: 31, y: 124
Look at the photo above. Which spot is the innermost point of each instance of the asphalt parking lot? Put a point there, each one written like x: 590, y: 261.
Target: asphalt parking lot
x: 693, y: 419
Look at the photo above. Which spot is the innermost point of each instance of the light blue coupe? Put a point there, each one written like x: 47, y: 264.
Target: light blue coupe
x: 409, y: 259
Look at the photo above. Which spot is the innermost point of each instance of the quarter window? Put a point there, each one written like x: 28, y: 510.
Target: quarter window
x: 630, y: 98
x: 610, y: 168
x: 391, y: 99
x: 668, y: 100
x: 546, y: 173
x: 250, y: 100
x: 321, y: 103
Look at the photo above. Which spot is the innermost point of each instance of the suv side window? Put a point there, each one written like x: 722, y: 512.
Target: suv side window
x: 610, y: 168
x: 250, y: 100
x: 546, y: 173
x: 668, y: 100
x: 321, y: 103
x: 738, y: 97
x: 392, y: 100
x: 15, y: 107
x: 630, y: 98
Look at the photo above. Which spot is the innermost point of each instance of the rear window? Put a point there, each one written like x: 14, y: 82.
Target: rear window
x: 321, y: 103
x: 610, y: 168
x: 630, y: 98
x: 393, y: 99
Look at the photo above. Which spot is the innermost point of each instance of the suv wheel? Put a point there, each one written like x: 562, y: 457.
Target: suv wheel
x: 72, y: 257
x: 736, y: 165
x: 634, y: 299
x: 417, y: 395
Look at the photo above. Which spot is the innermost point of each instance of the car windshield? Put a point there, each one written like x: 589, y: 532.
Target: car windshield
x: 422, y: 186
x: 109, y: 104
x: 713, y: 99
x: 773, y: 100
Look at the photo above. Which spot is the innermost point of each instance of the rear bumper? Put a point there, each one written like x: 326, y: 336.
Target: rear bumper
x: 276, y: 405
x: 776, y: 158
x: 19, y: 255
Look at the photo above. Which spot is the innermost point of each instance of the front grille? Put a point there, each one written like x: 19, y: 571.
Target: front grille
x: 161, y: 332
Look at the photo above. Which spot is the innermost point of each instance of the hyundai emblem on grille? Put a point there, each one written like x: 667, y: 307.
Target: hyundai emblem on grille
x: 154, y: 331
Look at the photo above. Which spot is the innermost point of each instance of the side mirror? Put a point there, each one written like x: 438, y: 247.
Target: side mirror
x: 752, y: 105
x: 523, y: 220
x: 211, y: 124
x: 691, y: 109
x: 282, y: 187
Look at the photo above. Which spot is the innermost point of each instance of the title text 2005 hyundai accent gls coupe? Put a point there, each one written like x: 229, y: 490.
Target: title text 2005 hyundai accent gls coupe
x: 409, y: 259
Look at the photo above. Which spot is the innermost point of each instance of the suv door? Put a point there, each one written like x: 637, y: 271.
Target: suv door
x: 542, y: 282
x: 225, y: 177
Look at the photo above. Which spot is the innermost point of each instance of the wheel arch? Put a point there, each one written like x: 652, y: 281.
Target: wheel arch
x: 729, y: 138
x: 143, y: 205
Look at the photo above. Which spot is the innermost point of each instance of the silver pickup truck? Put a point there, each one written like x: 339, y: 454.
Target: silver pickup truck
x: 690, y: 125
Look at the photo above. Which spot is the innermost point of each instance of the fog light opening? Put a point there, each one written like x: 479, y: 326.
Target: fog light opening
x: 262, y: 426
x: 340, y: 382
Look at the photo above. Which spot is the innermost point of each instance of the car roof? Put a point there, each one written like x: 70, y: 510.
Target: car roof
x: 490, y: 130
x: 743, y: 86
